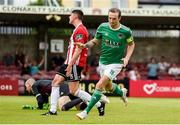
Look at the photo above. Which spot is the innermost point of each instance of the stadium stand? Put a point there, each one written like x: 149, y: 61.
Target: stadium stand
x: 14, y: 72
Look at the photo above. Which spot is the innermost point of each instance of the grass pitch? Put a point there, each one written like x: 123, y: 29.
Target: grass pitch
x: 139, y: 111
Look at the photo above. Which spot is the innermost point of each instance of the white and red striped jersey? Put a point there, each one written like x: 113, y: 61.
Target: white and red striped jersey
x: 80, y: 34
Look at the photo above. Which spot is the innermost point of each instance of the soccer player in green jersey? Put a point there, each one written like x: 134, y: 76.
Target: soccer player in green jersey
x: 117, y: 46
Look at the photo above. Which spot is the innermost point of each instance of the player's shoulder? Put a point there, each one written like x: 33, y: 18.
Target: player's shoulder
x: 81, y: 28
x: 125, y: 28
x: 105, y: 24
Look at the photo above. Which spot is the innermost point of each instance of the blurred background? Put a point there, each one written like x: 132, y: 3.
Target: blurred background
x: 34, y: 36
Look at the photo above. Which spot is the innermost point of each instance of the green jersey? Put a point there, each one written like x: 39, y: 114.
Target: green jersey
x: 113, y: 43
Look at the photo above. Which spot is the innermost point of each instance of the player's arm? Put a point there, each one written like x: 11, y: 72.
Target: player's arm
x: 78, y: 51
x: 89, y: 44
x: 75, y: 56
x: 38, y: 95
x: 80, y: 37
x: 73, y: 60
x: 130, y: 49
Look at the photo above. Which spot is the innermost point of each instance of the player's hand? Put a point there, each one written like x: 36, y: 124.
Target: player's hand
x: 125, y: 61
x: 68, y: 70
x: 80, y: 45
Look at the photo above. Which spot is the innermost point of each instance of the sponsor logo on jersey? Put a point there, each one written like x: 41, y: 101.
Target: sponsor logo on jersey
x: 112, y: 44
x: 79, y: 36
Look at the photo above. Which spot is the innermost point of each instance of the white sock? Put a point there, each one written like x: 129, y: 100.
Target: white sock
x: 85, y: 96
x: 54, y: 98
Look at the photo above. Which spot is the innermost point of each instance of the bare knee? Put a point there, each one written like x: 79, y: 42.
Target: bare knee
x: 109, y: 86
x: 57, y: 80
x: 62, y: 101
x: 73, y: 87
x: 100, y: 86
x: 102, y: 83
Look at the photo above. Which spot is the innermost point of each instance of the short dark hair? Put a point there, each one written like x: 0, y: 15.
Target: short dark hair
x: 79, y: 13
x: 115, y: 10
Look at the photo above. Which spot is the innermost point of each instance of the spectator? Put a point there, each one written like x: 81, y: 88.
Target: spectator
x: 133, y: 73
x: 8, y: 59
x: 163, y: 65
x: 57, y: 61
x: 34, y: 68
x: 174, y: 70
x: 25, y: 69
x: 19, y: 58
x: 153, y: 69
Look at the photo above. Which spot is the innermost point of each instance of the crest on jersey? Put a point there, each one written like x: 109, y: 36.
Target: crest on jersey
x: 120, y: 35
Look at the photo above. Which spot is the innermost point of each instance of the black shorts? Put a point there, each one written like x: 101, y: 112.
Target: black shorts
x: 75, y: 74
x: 64, y: 89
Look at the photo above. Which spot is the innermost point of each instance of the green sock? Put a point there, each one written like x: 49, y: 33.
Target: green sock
x: 116, y: 90
x: 94, y: 99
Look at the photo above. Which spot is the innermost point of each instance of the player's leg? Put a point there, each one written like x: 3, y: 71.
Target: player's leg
x: 74, y: 89
x: 75, y: 101
x: 55, y: 92
x: 112, y: 71
x: 81, y: 106
x: 63, y: 100
x: 115, y: 89
x: 108, y: 73
x: 58, y: 79
x: 71, y: 104
x: 96, y: 96
x: 97, y: 93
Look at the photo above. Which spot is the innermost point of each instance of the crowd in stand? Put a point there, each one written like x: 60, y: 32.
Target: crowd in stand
x: 21, y: 66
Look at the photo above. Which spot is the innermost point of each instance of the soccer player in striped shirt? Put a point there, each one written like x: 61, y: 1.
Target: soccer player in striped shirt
x: 71, y: 70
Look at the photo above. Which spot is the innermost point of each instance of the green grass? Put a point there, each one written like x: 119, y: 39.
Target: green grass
x: 139, y: 111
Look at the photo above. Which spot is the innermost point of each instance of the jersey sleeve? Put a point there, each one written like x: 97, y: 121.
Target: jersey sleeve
x: 130, y: 37
x: 98, y: 34
x: 80, y: 36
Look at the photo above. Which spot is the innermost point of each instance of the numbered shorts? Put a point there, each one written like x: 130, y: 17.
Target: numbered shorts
x: 111, y: 70
x: 75, y: 74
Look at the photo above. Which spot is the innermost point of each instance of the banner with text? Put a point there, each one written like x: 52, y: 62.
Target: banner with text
x: 8, y: 87
x: 155, y: 88
x: 89, y: 11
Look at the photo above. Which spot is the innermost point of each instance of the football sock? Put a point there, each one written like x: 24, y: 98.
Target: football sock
x: 94, y: 99
x: 71, y: 104
x: 54, y: 98
x: 72, y: 97
x: 116, y: 90
x: 85, y: 96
